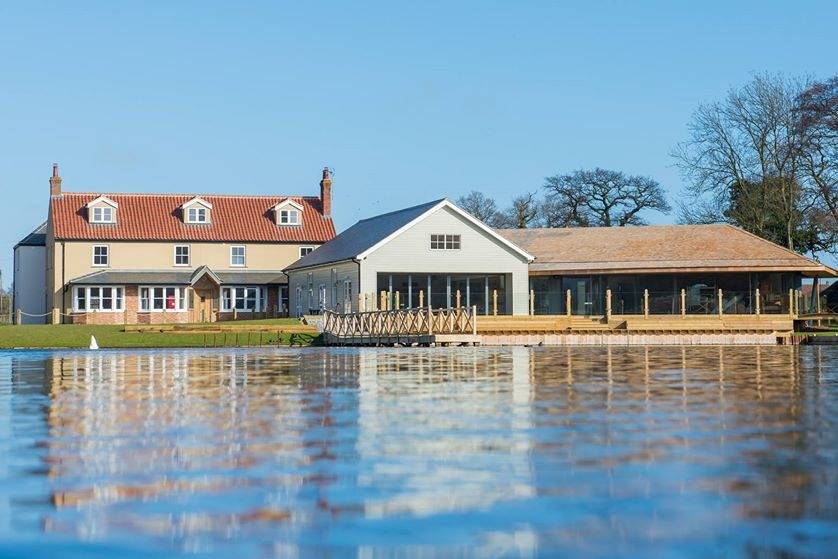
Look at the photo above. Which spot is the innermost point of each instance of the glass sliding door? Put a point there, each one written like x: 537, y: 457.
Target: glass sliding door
x: 581, y: 295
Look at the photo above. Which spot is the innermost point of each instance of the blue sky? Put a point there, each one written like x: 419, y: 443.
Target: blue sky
x: 407, y: 102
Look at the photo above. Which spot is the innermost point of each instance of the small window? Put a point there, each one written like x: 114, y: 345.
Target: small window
x: 100, y: 255
x: 305, y: 250
x: 102, y: 214
x: 445, y: 242
x: 182, y: 255
x: 237, y: 256
x: 289, y: 217
x: 197, y: 215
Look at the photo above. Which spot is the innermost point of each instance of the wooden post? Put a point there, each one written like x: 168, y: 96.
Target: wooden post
x: 421, y: 298
x: 235, y: 314
x: 756, y: 296
x: 495, y: 302
x: 474, y: 320
x: 397, y: 306
x: 18, y: 317
x: 430, y: 321
x: 532, y: 302
x: 382, y: 301
x: 567, y: 302
x: 816, y: 290
x: 721, y: 303
x: 683, y: 303
x: 646, y: 303
x: 55, y: 315
x: 791, y: 302
x: 607, y: 304
x: 457, y: 298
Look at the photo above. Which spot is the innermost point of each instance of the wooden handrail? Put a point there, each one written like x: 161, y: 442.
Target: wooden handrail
x: 400, y: 322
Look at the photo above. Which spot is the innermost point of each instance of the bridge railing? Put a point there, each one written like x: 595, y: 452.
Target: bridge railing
x: 421, y: 321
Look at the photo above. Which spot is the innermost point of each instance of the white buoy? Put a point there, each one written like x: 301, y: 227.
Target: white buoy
x: 93, y: 344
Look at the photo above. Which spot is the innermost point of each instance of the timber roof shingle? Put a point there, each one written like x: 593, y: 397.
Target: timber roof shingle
x: 659, y: 249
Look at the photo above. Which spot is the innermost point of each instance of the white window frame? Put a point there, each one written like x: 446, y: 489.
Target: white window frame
x: 198, y: 212
x: 147, y: 297
x: 230, y: 296
x: 107, y: 256
x: 188, y: 254
x: 286, y: 214
x: 101, y: 217
x: 117, y: 298
x: 446, y: 241
x: 308, y: 248
x: 244, y: 256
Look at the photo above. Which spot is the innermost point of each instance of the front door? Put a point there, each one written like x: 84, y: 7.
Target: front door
x: 204, y: 304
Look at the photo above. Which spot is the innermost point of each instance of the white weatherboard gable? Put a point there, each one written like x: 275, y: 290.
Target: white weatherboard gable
x: 196, y: 200
x: 102, y: 200
x: 468, y: 217
x: 288, y: 202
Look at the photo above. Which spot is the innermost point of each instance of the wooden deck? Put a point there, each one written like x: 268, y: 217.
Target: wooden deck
x: 464, y: 327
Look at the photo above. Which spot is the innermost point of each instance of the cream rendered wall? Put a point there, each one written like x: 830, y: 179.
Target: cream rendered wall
x: 131, y: 255
x: 322, y: 275
x: 480, y: 253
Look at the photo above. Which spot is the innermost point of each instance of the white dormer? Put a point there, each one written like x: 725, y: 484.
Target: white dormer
x: 288, y: 212
x: 197, y: 211
x: 102, y: 210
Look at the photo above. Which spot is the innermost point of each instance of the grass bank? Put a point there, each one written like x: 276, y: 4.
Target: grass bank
x: 243, y: 333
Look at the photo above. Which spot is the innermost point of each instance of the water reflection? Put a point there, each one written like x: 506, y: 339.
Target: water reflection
x: 506, y: 452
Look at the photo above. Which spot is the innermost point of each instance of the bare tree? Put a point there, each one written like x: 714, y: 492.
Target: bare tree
x: 480, y: 206
x: 744, y: 156
x: 600, y: 197
x: 817, y: 112
x: 524, y: 212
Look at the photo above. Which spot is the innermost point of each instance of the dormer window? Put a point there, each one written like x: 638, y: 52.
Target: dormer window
x: 196, y: 215
x: 289, y: 217
x: 197, y: 211
x: 102, y: 210
x: 102, y: 214
x: 288, y: 212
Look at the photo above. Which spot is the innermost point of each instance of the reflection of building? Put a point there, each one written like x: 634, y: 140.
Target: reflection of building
x: 514, y: 451
x: 151, y: 258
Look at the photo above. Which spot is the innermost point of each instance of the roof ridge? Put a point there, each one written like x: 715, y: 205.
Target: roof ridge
x: 181, y: 194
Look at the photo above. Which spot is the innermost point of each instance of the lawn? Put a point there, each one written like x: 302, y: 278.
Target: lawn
x: 283, y: 331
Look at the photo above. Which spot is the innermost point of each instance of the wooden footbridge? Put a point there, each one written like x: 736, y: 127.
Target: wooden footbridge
x: 417, y: 326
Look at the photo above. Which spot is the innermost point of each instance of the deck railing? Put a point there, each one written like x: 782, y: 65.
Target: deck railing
x: 400, y: 323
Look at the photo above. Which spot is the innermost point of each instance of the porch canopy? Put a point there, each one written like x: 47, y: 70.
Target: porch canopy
x: 667, y: 249
x: 181, y: 277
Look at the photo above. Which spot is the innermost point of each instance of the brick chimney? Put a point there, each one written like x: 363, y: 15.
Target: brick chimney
x: 55, y: 181
x: 326, y: 192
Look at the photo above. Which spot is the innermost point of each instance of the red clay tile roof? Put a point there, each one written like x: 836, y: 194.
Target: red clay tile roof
x: 157, y: 217
x: 662, y: 248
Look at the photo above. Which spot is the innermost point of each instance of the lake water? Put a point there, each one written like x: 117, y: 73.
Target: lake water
x: 515, y: 452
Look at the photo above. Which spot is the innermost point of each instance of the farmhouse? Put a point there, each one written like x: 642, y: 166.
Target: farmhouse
x: 152, y: 258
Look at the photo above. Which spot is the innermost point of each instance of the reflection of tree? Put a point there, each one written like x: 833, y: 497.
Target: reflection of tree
x: 279, y: 445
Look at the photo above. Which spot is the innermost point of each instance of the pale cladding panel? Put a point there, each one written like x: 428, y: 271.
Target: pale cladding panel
x: 479, y: 253
x: 30, y: 283
x: 333, y: 277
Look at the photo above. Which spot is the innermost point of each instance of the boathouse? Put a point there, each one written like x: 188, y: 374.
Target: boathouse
x: 433, y: 254
x: 713, y: 269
